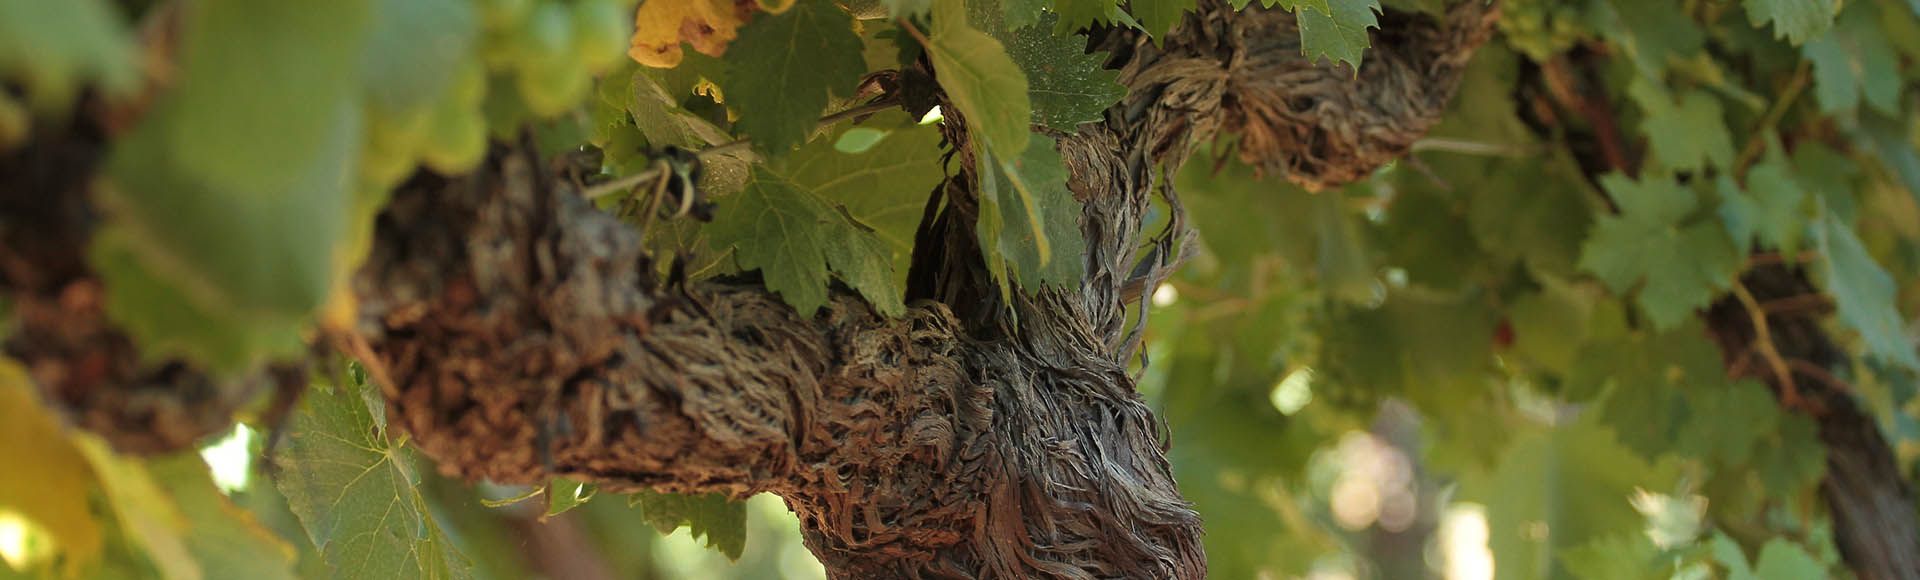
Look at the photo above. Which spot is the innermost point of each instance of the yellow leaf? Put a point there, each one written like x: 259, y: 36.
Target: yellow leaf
x: 146, y: 512
x: 50, y: 483
x: 661, y: 25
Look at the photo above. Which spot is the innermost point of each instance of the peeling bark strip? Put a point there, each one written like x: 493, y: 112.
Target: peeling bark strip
x: 1870, y: 502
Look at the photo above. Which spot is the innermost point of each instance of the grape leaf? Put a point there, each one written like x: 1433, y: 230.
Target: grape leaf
x: 1653, y: 32
x: 355, y: 494
x: 722, y: 521
x: 1863, y: 293
x: 783, y: 68
x: 1158, y: 17
x: 1686, y: 134
x: 1682, y: 265
x: 52, y: 483
x: 1558, y: 489
x: 1794, y: 20
x: 1339, y: 33
x: 414, y: 49
x: 1048, y: 253
x: 1066, y: 85
x: 1727, y: 420
x: 224, y: 538
x: 1770, y: 211
x: 58, y: 47
x: 565, y: 493
x: 1077, y: 14
x: 1853, y: 61
x: 1550, y: 325
x: 795, y: 238
x: 1780, y: 559
x: 884, y: 187
x: 980, y: 79
x: 142, y: 510
x: 1790, y: 458
x: 1626, y: 556
x: 229, y: 194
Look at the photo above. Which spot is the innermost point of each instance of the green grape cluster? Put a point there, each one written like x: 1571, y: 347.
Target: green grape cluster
x: 547, y: 51
x: 553, y: 48
x: 1542, y: 28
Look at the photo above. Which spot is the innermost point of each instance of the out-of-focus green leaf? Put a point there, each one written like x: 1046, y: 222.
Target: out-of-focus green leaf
x: 56, y: 48
x: 224, y: 539
x: 1852, y: 62
x: 232, y: 196
x: 1681, y: 264
x: 1863, y: 292
x: 1559, y: 489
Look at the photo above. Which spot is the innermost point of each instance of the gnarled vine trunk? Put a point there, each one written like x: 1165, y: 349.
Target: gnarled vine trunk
x: 518, y: 334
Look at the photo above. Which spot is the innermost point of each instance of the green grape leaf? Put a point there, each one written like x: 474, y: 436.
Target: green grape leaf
x: 1626, y: 556
x: 795, y: 238
x: 1550, y: 325
x: 980, y: 79
x: 1853, y: 61
x: 355, y: 493
x: 58, y: 47
x: 228, y: 197
x: 1158, y: 17
x: 1077, y: 14
x: 722, y: 521
x: 783, y: 67
x: 1790, y: 458
x: 565, y: 493
x: 1682, y: 265
x: 1780, y: 559
x: 1338, y: 33
x: 1794, y: 20
x: 1559, y: 489
x: 1066, y: 85
x: 1653, y: 32
x: 1034, y: 233
x: 225, y: 539
x: 1685, y: 134
x: 151, y: 520
x: 885, y: 186
x: 1772, y: 210
x: 1863, y: 292
x: 415, y: 48
x: 1727, y: 421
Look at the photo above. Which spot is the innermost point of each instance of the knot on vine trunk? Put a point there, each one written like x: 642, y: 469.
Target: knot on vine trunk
x: 1322, y: 124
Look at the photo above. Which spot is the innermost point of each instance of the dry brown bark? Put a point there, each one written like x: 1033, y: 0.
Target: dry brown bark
x: 518, y: 334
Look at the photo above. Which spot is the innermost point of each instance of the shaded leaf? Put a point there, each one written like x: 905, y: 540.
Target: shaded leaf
x: 795, y: 238
x: 783, y: 68
x: 723, y: 522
